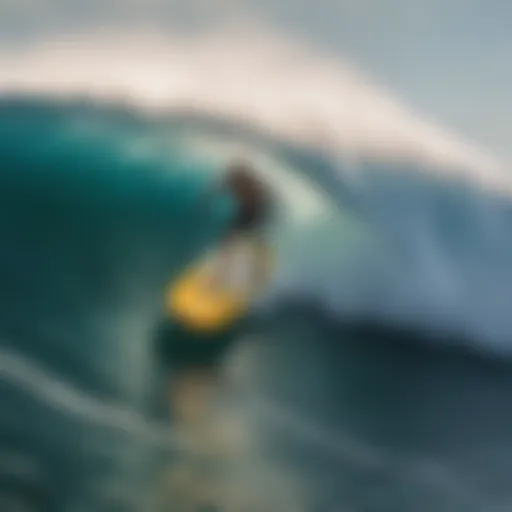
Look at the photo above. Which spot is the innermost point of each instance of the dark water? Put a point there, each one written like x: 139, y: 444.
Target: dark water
x: 348, y: 410
x: 376, y: 419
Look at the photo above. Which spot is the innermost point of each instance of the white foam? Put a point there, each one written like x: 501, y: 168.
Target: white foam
x: 256, y: 77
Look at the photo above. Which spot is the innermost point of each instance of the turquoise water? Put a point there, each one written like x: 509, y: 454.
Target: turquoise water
x: 90, y: 237
x: 377, y: 378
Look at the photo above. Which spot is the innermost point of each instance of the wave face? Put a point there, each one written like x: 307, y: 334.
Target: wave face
x: 352, y: 389
x: 90, y: 235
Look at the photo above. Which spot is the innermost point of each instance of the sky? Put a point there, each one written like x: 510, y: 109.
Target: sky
x: 448, y: 59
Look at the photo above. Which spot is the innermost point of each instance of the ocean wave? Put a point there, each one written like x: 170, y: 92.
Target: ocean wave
x: 416, y: 249
x: 384, y: 220
x: 287, y: 90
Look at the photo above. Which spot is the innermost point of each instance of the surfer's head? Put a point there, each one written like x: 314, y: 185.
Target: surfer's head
x: 251, y: 193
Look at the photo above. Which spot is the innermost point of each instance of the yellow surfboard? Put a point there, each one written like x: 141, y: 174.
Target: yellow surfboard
x: 210, y: 296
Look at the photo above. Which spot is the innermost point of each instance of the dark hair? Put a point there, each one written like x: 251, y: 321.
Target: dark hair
x: 252, y: 193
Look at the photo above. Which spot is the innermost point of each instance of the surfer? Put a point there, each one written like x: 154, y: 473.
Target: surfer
x: 238, y: 266
x: 189, y: 350
x: 194, y: 357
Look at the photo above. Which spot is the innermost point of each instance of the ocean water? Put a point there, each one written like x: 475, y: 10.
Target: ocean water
x: 373, y: 376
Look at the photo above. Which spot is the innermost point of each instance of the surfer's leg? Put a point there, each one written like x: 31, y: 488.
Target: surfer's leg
x: 192, y: 393
x: 195, y: 387
x: 192, y: 396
